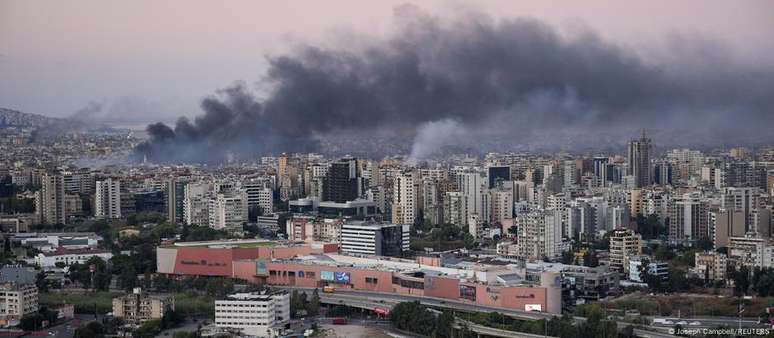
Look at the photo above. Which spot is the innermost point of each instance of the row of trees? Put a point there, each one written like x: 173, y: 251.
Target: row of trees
x: 415, y: 317
x: 758, y: 280
x: 596, y: 324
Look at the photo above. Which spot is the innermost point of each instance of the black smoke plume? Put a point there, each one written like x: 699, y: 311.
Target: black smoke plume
x: 518, y: 77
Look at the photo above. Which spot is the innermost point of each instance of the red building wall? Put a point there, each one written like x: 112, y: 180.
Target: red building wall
x: 443, y: 287
x: 204, y: 261
x: 518, y: 298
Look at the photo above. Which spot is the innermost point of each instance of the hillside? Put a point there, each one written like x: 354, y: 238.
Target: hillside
x: 13, y: 118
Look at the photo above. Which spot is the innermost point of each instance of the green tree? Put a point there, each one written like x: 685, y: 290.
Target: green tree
x: 313, y: 307
x: 413, y: 317
x: 149, y: 329
x: 444, y: 324
x: 296, y: 304
x: 90, y: 330
x: 741, y: 278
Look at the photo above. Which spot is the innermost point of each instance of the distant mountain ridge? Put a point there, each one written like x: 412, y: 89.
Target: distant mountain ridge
x: 15, y: 118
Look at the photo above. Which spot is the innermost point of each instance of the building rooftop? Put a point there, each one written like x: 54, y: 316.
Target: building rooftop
x: 254, y: 296
x: 240, y: 243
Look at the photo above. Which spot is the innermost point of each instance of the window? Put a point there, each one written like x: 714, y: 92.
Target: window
x: 371, y: 280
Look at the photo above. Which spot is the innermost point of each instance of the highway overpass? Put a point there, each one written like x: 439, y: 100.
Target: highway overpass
x: 369, y: 300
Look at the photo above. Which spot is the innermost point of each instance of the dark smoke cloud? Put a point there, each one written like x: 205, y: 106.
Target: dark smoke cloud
x: 519, y: 75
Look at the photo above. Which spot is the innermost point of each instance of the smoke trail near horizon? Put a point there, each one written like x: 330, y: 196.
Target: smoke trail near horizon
x: 519, y: 76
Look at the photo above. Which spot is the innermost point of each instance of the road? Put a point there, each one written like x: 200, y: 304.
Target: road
x: 369, y: 300
x: 709, y: 322
x: 388, y: 299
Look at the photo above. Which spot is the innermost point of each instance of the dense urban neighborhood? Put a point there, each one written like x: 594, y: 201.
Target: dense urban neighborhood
x: 645, y: 243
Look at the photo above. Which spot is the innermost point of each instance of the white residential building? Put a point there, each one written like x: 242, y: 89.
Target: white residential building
x: 259, y: 195
x: 454, y: 209
x: 50, y: 200
x: 254, y: 314
x: 107, y: 199
x: 69, y: 257
x: 405, y: 206
x: 228, y: 212
x: 16, y: 301
x: 196, y: 204
x: 362, y: 238
x: 502, y: 204
x: 540, y: 234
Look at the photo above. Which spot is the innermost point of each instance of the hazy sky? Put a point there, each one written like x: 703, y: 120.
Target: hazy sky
x: 160, y: 58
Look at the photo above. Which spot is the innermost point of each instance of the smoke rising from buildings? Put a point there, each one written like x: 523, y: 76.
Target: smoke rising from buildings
x: 433, y: 135
x: 519, y: 76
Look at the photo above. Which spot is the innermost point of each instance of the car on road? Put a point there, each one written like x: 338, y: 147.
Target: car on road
x: 694, y: 323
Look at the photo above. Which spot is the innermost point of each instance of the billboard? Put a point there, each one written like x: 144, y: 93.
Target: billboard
x: 260, y: 267
x: 533, y: 307
x: 468, y: 292
x: 342, y: 277
x: 326, y: 275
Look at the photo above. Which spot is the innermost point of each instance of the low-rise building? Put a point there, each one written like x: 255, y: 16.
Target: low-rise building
x: 751, y: 251
x: 50, y: 242
x: 624, y: 244
x: 69, y: 257
x: 657, y: 268
x: 254, y: 314
x: 138, y: 307
x: 18, y: 274
x: 711, y: 265
x: 374, y: 239
x: 16, y: 301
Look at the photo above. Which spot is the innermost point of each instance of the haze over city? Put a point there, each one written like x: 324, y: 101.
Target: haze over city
x: 468, y: 169
x: 263, y: 75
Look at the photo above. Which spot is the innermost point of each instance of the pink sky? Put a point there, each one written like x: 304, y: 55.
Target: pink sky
x: 57, y: 56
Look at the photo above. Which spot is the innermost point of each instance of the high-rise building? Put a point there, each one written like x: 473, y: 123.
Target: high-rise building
x: 502, y: 204
x: 405, y: 201
x: 79, y: 182
x: 174, y: 191
x: 432, y: 200
x: 341, y: 182
x: 570, y: 171
x: 740, y: 174
x: 50, y: 200
x: 540, y: 234
x: 259, y: 195
x: 498, y: 174
x: 743, y: 199
x: 639, y: 155
x: 107, y: 199
x: 454, y: 209
x: 228, y: 212
x: 289, y: 175
x: 724, y: 224
x: 196, y: 204
x: 662, y: 173
x: 688, y: 220
x: 473, y: 188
